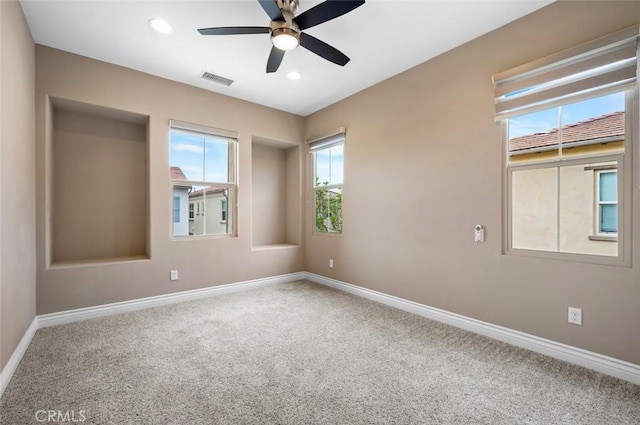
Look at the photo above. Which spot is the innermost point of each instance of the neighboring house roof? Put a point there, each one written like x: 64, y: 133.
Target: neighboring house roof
x: 207, y: 191
x: 175, y: 173
x: 602, y: 127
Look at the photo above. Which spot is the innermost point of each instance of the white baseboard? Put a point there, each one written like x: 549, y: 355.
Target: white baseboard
x: 62, y: 317
x: 16, y: 357
x: 598, y: 362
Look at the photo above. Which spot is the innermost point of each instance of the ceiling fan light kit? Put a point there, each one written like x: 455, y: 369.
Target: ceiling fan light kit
x: 285, y: 38
x: 286, y: 29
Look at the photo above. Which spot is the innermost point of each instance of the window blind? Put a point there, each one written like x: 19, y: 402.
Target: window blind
x: 328, y: 140
x: 185, y: 127
x: 602, y: 66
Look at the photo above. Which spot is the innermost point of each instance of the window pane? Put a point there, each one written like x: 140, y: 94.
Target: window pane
x: 329, y: 166
x: 592, y: 127
x: 216, y: 165
x: 208, y: 210
x: 609, y: 218
x: 187, y: 154
x: 533, y: 137
x: 534, y: 209
x: 180, y: 210
x: 608, y: 187
x: 578, y: 211
x: 337, y: 164
x: 587, y: 124
x: 329, y: 210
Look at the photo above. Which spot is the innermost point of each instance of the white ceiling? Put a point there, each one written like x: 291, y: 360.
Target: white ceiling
x: 382, y: 38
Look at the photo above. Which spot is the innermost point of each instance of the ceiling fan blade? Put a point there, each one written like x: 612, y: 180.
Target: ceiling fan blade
x: 233, y: 30
x: 325, y: 11
x: 275, y: 59
x: 272, y: 9
x: 323, y: 50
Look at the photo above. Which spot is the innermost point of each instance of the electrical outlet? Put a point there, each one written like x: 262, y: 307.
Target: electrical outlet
x: 174, y: 274
x: 330, y: 263
x: 575, y: 316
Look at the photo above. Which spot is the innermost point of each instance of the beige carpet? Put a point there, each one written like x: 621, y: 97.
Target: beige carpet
x: 298, y: 353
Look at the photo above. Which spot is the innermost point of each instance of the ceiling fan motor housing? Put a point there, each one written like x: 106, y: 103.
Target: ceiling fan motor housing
x: 288, y: 26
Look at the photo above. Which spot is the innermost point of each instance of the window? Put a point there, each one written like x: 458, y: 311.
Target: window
x: 607, y: 196
x: 223, y: 210
x: 176, y: 209
x: 203, y: 172
x: 328, y: 169
x: 567, y: 138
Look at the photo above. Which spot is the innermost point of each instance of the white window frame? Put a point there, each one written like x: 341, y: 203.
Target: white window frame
x: 318, y: 144
x: 596, y: 68
x: 192, y: 211
x: 231, y: 186
x: 625, y: 179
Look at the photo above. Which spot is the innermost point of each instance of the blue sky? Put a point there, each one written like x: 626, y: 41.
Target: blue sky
x: 200, y: 158
x: 547, y: 119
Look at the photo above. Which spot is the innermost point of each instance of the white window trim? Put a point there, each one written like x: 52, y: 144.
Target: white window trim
x: 314, y: 188
x: 232, y: 186
x: 626, y: 163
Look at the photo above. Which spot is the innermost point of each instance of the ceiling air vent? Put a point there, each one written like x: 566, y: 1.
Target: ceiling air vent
x: 216, y: 78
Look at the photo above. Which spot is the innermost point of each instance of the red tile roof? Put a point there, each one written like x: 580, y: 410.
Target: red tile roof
x: 175, y: 173
x: 604, y: 126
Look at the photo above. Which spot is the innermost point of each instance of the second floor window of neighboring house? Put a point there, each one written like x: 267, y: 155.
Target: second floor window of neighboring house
x: 607, y: 209
x: 203, y: 179
x: 568, y: 131
x: 223, y: 210
x: 176, y: 209
x: 328, y: 180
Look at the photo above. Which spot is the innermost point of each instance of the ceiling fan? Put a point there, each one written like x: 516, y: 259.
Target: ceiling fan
x: 286, y: 29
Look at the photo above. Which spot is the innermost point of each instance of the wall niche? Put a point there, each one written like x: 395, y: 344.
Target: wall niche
x: 98, y: 188
x: 276, y: 193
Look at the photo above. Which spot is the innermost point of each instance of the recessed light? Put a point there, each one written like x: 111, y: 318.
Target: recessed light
x: 161, y: 26
x: 293, y: 75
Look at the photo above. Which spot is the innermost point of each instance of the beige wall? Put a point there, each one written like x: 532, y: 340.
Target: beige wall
x: 99, y: 187
x: 426, y: 138
x: 269, y: 194
x: 17, y: 200
x: 276, y: 193
x: 204, y: 262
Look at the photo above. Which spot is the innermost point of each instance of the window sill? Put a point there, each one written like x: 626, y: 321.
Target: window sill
x: 604, y: 238
x: 617, y: 261
x: 93, y: 262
